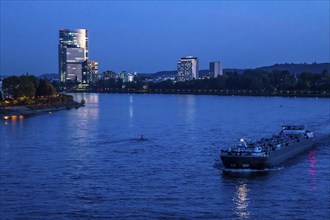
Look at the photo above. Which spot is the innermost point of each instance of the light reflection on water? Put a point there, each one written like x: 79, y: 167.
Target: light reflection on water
x: 16, y: 124
x: 189, y: 104
x: 241, y: 201
x: 312, y: 170
x: 130, y: 108
x: 85, y: 163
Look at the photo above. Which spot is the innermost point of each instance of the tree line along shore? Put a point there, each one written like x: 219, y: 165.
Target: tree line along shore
x: 249, y: 83
x: 26, y: 95
x: 35, y: 95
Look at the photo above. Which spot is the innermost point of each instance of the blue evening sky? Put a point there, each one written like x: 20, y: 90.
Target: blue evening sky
x: 150, y: 36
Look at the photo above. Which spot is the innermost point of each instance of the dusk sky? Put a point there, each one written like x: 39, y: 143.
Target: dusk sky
x: 151, y: 36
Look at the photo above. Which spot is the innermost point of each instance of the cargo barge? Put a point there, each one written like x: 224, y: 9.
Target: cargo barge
x: 268, y: 152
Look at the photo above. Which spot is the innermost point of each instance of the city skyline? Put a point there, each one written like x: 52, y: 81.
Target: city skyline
x: 151, y: 36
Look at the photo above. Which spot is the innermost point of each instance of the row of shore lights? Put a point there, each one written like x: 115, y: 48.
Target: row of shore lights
x: 13, y: 117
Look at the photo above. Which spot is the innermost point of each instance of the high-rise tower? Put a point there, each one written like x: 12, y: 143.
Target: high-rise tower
x: 188, y: 68
x: 72, y: 52
x: 215, y: 69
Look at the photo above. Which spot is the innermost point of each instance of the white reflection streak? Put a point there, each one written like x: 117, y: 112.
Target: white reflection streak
x: 130, y: 107
x: 93, y: 98
x: 190, y: 105
x: 241, y: 201
x: 88, y: 116
x: 91, y: 111
x: 192, y: 109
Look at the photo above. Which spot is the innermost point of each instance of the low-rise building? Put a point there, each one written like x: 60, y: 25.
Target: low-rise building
x: 109, y: 74
x: 127, y: 77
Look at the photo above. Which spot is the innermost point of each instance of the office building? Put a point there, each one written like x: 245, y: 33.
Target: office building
x: 215, y: 69
x: 72, y: 53
x: 127, y: 77
x: 93, y: 71
x: 188, y: 68
x: 90, y: 72
x: 106, y: 75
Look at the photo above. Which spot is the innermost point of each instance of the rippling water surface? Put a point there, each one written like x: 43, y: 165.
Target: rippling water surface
x: 90, y: 163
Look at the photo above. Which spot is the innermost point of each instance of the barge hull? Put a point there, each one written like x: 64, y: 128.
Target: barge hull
x: 274, y: 159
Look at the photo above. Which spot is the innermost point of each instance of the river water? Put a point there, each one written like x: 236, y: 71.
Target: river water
x: 89, y: 163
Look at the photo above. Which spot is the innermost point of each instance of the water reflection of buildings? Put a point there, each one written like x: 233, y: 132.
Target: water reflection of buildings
x: 312, y: 170
x: 189, y: 107
x: 93, y: 98
x: 241, y: 201
x: 92, y: 112
x: 130, y: 108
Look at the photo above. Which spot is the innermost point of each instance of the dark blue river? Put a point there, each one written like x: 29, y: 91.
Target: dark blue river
x: 89, y: 163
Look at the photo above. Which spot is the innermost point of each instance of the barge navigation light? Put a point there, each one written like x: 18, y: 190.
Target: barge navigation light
x: 243, y: 141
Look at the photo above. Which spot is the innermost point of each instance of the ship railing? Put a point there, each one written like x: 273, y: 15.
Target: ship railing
x: 239, y: 153
x: 244, y: 152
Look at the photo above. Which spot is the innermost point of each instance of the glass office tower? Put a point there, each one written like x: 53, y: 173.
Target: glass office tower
x: 72, y: 52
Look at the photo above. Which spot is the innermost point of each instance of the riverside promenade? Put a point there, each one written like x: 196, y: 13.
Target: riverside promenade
x: 21, y: 111
x: 224, y: 92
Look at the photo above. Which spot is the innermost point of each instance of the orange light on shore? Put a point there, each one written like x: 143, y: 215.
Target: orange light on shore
x: 13, y: 117
x: 21, y: 116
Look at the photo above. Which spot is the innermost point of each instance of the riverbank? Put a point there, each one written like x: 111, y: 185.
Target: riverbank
x: 46, y: 105
x: 280, y: 93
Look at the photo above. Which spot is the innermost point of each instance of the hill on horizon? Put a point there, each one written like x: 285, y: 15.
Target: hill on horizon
x: 291, y: 67
x: 298, y: 68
